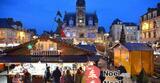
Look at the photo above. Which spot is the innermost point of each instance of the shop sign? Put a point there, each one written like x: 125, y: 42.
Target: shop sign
x: 110, y: 76
x: 92, y: 74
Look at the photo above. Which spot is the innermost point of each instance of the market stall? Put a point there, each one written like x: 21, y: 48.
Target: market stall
x: 37, y: 70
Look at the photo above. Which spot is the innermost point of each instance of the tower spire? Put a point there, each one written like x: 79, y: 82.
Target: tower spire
x: 80, y: 3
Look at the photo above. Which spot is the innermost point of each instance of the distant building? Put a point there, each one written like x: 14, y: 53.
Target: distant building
x: 81, y: 26
x: 129, y: 28
x: 12, y: 33
x: 150, y: 25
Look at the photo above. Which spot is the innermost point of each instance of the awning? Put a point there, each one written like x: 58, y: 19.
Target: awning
x: 54, y: 58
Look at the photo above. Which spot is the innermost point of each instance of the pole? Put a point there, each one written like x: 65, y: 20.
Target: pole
x: 7, y: 72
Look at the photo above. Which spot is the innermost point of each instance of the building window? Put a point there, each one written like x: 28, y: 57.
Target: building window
x: 90, y: 22
x: 68, y: 34
x: 71, y: 23
x: 81, y: 35
x: 74, y: 34
x: 149, y: 34
x: 149, y: 15
x: 144, y: 35
x: 91, y: 35
x: 144, y: 17
x: 155, y: 14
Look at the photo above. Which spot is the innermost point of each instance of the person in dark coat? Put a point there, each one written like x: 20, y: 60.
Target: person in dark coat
x: 102, y: 77
x: 68, y: 77
x: 56, y: 75
x: 79, y: 75
x: 27, y: 77
x: 122, y: 70
x: 47, y: 75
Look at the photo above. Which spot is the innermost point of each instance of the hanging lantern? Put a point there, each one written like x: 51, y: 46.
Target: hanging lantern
x: 29, y: 46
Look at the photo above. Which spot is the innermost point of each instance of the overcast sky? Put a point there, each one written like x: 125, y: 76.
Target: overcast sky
x: 40, y: 14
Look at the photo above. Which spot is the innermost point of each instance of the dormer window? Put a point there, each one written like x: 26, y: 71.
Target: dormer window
x: 90, y: 22
x: 71, y: 22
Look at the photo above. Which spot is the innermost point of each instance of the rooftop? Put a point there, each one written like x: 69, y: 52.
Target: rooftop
x: 138, y: 46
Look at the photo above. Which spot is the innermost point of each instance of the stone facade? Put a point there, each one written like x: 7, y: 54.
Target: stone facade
x: 131, y: 31
x: 150, y: 25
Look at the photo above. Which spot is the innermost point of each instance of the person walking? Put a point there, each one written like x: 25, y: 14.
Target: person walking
x: 56, y: 75
x: 27, y: 77
x: 16, y: 79
x: 68, y: 77
x: 79, y: 75
x: 47, y: 75
x: 62, y: 77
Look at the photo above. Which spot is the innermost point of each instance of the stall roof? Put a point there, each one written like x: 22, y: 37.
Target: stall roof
x: 89, y: 47
x: 138, y: 46
x: 135, y: 46
x: 54, y: 58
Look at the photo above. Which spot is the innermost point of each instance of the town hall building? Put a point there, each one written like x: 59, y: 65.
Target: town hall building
x: 81, y: 25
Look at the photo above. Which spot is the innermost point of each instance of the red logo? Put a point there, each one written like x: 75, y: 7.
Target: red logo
x: 92, y: 74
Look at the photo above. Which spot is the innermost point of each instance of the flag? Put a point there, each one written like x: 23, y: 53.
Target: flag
x: 62, y: 30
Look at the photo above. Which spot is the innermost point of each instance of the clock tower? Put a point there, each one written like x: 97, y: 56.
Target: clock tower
x: 80, y: 13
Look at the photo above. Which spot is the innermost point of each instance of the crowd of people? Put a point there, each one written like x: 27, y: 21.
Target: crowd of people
x: 65, y: 77
x: 26, y: 78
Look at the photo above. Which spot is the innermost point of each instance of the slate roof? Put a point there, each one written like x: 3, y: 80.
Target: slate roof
x: 54, y: 58
x: 72, y: 16
x: 116, y: 21
x: 9, y: 23
x: 4, y: 23
x: 137, y: 47
x: 129, y: 24
x: 88, y: 47
x: 69, y: 16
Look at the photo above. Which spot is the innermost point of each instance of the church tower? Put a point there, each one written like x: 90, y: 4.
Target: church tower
x: 80, y: 13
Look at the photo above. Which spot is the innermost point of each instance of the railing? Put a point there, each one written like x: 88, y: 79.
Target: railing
x: 37, y: 52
